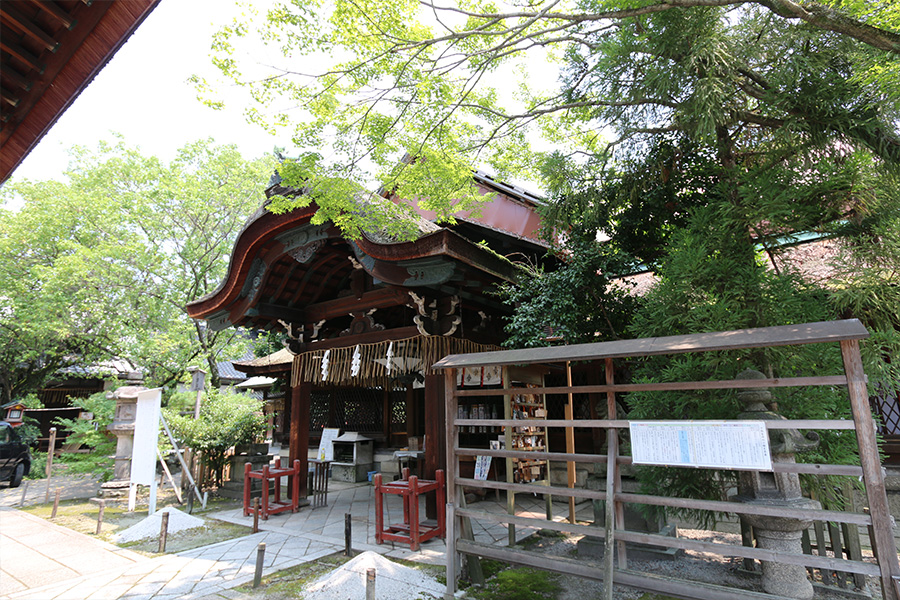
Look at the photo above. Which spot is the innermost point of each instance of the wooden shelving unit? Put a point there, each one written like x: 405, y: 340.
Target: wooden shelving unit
x: 529, y: 439
x: 484, y: 408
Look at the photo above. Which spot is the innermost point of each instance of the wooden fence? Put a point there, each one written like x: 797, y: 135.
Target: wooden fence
x: 847, y: 333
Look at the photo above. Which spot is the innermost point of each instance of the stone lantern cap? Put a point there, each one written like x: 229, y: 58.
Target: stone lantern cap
x: 754, y: 399
x: 126, y: 392
x: 352, y: 436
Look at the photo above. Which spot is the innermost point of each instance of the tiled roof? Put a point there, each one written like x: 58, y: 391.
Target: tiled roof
x: 227, y: 371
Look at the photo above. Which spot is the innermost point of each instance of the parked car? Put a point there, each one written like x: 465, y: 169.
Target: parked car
x: 15, y: 459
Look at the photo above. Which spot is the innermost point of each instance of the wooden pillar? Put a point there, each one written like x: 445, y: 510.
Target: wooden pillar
x: 299, y: 441
x: 435, y: 441
x: 570, y: 442
x: 435, y: 434
x: 286, y: 417
x: 597, y: 436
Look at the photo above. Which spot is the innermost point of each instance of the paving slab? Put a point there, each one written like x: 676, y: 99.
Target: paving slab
x: 211, y: 572
x: 34, y: 491
x: 35, y: 552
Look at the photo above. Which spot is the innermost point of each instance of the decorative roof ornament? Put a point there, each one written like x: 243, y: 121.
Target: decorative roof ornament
x: 303, y: 254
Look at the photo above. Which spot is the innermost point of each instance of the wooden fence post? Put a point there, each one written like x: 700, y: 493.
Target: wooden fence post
x: 50, y: 452
x: 883, y: 540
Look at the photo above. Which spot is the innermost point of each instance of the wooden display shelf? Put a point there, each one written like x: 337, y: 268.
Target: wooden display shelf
x: 525, y: 406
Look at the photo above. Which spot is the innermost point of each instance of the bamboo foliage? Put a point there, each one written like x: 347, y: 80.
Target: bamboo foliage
x: 410, y: 355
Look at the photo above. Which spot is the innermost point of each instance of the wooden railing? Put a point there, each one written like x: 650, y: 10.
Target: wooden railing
x: 878, y: 520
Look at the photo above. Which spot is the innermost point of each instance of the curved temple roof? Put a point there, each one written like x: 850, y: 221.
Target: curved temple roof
x: 284, y: 268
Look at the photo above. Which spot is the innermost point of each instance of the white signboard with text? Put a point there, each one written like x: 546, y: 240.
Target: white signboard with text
x: 741, y: 445
x: 482, y: 467
x: 326, y: 447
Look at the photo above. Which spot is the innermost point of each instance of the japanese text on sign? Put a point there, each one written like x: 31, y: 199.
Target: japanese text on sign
x: 742, y: 445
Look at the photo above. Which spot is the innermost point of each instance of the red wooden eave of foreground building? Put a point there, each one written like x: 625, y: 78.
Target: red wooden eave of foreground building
x: 50, y: 50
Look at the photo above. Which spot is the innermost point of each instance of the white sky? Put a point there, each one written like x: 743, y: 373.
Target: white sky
x: 143, y: 94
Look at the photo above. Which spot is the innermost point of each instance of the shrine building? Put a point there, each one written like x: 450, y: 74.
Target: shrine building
x: 365, y: 319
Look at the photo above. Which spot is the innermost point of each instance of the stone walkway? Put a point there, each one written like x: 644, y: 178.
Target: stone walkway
x: 35, y: 552
x: 191, y: 574
x: 34, y: 491
x: 209, y: 573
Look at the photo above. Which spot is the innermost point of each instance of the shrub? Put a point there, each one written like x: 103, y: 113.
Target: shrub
x: 226, y: 419
x: 93, y: 433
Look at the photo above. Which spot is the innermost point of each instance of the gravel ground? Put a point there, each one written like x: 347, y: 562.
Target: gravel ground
x: 392, y: 581
x: 150, y: 527
x: 693, y: 566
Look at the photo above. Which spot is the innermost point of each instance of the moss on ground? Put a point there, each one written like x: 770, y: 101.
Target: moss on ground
x: 519, y: 583
x: 289, y: 583
x: 81, y: 516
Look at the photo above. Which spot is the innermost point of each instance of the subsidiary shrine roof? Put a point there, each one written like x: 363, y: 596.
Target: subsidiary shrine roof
x: 286, y: 272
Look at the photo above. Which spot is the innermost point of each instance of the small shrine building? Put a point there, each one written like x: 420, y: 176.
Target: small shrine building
x: 365, y: 319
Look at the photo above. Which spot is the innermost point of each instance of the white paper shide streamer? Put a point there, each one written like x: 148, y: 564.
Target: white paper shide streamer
x: 355, y: 362
x: 325, y: 358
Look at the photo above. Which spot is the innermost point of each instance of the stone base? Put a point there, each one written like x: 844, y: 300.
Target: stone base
x: 235, y: 490
x: 350, y: 473
x: 594, y: 547
x: 114, y: 489
x: 559, y: 475
x: 779, y: 578
x: 635, y: 520
x: 257, y: 462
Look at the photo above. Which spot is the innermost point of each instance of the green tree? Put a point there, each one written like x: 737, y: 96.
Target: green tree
x: 773, y: 117
x: 577, y: 300
x: 52, y: 309
x: 761, y: 81
x: 704, y: 287
x: 103, y: 264
x: 699, y: 135
x: 866, y: 284
x: 226, y: 419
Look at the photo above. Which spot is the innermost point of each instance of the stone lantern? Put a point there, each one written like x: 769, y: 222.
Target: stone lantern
x: 123, y: 427
x: 781, y: 534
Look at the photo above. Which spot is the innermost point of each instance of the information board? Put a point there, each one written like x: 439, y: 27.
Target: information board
x: 482, y: 467
x: 740, y: 445
x: 326, y: 447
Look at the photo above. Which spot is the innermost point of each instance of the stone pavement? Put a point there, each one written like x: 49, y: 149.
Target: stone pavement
x: 327, y: 523
x: 34, y: 491
x: 187, y: 575
x: 35, y: 552
x: 209, y: 573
